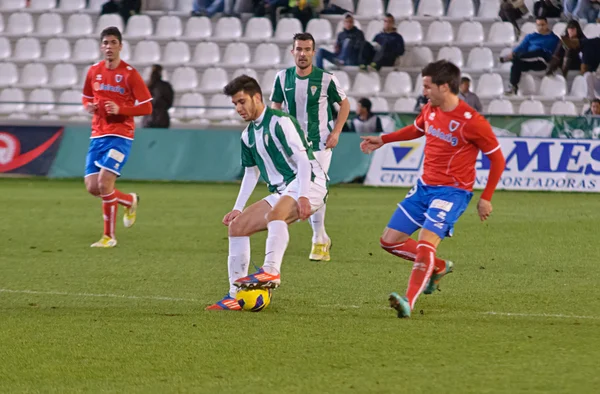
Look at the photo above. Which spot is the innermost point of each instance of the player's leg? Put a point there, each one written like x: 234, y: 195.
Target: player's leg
x: 321, y: 243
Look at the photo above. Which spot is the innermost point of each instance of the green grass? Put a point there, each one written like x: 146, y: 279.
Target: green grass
x: 327, y: 330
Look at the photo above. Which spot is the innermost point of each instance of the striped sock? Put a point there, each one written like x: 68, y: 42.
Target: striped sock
x: 421, y: 272
x: 109, y: 210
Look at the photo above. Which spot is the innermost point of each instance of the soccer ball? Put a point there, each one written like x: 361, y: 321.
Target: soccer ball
x: 254, y: 300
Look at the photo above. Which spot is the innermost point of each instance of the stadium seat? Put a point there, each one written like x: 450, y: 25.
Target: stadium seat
x: 566, y: 108
x: 27, y: 49
x: 213, y: 80
x: 184, y: 6
x: 146, y: 52
x: 1, y: 23
x: 139, y: 26
x: 405, y: 104
x: 9, y: 74
x: 57, y: 50
x: 33, y: 75
x: 19, y: 115
x: 373, y: 28
x: 176, y: 53
x: 13, y: 95
x: 63, y: 75
x: 433, y: 8
x: 190, y: 100
x: 320, y: 29
x: 39, y: 96
x: 379, y: 104
x: 527, y: 28
x: 245, y: 71
x: 286, y: 28
x: 531, y: 107
x: 258, y: 30
x: 220, y: 100
x: 345, y: 4
x: 452, y: 54
x: 12, y: 5
x: 198, y: 28
x: 490, y: 85
x: 206, y: 54
x: 579, y: 87
x: 168, y: 27
x: 366, y: 84
x: 69, y: 6
x: 419, y: 57
x: 267, y: 81
x: 236, y: 54
x: 266, y: 56
x: 49, y: 24
x: 84, y: 72
x: 501, y: 33
x: 96, y: 5
x: 19, y: 24
x: 69, y: 103
x: 480, y: 58
x: 288, y: 60
x: 79, y: 25
x: 554, y: 86
x: 108, y: 20
x: 489, y: 9
x: 500, y: 107
x: 411, y: 31
x: 126, y: 51
x: 85, y: 50
x: 400, y: 8
x: 227, y: 29
x: 528, y: 86
x: 343, y: 79
x: 388, y: 124
x: 5, y: 49
x: 461, y: 9
x: 559, y: 28
x: 470, y: 33
x: 42, y: 5
x: 184, y: 79
x: 369, y: 9
x: 397, y: 83
x: 591, y: 30
x: 147, y: 71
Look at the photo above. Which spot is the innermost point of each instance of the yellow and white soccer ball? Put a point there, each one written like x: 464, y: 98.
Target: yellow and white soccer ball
x: 254, y: 300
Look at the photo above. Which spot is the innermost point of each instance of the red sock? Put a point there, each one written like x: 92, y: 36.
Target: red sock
x: 124, y: 199
x: 408, y: 251
x: 109, y: 210
x: 421, y: 272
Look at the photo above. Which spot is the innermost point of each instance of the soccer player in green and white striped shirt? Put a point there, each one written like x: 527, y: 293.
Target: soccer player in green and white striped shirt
x: 274, y: 147
x: 309, y: 94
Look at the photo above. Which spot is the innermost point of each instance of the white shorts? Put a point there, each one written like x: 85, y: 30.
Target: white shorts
x: 317, y: 195
x: 324, y: 159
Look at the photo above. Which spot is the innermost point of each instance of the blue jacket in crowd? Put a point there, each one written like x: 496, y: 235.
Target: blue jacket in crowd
x: 536, y: 41
x: 355, y: 35
x: 393, y: 40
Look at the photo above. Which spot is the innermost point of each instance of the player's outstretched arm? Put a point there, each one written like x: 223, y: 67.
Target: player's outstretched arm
x: 371, y: 143
x: 251, y: 175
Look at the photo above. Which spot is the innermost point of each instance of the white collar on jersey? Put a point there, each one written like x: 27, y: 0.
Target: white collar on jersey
x: 259, y: 120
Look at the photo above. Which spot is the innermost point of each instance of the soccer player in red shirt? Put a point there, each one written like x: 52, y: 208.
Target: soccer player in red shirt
x: 114, y: 92
x: 454, y: 135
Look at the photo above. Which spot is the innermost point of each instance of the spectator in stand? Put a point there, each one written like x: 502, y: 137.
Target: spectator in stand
x: 162, y: 100
x: 547, y: 8
x: 270, y: 8
x: 582, y: 9
x: 365, y: 122
x: 389, y: 45
x: 594, y: 108
x: 590, y: 59
x: 534, y: 53
x: 305, y: 10
x: 511, y: 11
x: 347, y: 47
x: 465, y: 94
x: 566, y: 56
x: 421, y: 101
x: 125, y: 8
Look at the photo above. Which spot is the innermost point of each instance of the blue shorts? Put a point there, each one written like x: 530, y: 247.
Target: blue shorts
x: 435, y: 208
x: 110, y: 153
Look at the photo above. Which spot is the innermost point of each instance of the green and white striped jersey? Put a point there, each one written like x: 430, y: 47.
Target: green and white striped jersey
x: 309, y: 99
x: 270, y: 142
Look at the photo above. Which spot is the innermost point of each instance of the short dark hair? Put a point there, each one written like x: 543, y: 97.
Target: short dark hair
x: 541, y: 18
x: 366, y: 103
x: 348, y: 15
x: 304, y: 37
x: 388, y: 15
x: 465, y: 79
x: 243, y: 83
x: 112, y: 31
x: 443, y: 72
x: 595, y: 101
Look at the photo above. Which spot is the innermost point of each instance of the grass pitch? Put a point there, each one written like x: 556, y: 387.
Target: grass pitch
x: 521, y: 312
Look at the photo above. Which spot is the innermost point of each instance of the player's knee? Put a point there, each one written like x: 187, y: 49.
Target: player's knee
x: 275, y: 214
x: 105, y: 186
x: 92, y: 188
x: 236, y: 229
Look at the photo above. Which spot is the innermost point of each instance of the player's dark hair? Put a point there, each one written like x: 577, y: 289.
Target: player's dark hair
x: 303, y: 37
x: 443, y: 72
x: 465, y: 79
x: 366, y: 104
x: 243, y: 83
x: 596, y: 101
x: 112, y: 31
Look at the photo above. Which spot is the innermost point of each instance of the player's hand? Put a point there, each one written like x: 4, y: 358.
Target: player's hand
x: 91, y: 108
x: 230, y: 216
x: 303, y: 208
x: 370, y: 143
x: 332, y: 140
x: 111, y: 108
x: 484, y: 209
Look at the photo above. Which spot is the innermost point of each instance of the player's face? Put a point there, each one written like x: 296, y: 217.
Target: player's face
x: 245, y: 105
x: 303, y: 53
x: 433, y: 92
x: 111, y: 47
x: 596, y: 108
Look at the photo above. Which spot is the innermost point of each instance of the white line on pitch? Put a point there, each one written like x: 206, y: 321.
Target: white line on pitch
x: 539, y: 315
x: 129, y: 297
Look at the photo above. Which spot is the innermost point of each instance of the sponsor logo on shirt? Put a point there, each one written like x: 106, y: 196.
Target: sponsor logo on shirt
x: 448, y: 137
x: 109, y: 88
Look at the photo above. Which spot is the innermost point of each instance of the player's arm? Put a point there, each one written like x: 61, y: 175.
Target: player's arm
x: 141, y: 94
x: 336, y: 94
x: 87, y: 97
x: 277, y: 96
x: 249, y: 181
x: 411, y: 132
x: 292, y: 139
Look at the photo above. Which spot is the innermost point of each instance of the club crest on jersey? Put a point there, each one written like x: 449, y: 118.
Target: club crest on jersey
x: 118, y: 78
x: 313, y: 90
x: 453, y: 125
x: 98, y: 77
x: 432, y: 116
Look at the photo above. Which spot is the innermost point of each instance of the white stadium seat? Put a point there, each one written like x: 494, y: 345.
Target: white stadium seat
x: 95, y: 5
x: 126, y: 51
x: 527, y: 28
x: 14, y: 95
x: 245, y: 71
x: 286, y: 28
x: 57, y: 50
x: 379, y: 104
x: 555, y: 86
x: 405, y: 104
x: 501, y: 33
x: 190, y: 100
x: 559, y: 28
x: 198, y: 28
x: 373, y: 28
x: 500, y: 107
x: 206, y: 54
x: 169, y: 27
x: 470, y: 33
x: 419, y: 57
x: 220, y: 100
x: 430, y: 8
x: 591, y: 30
x: 566, y: 108
x: 184, y: 79
x: 343, y: 79
x: 397, y: 83
x: 489, y: 9
x: 579, y: 87
x: 12, y: 5
x: 236, y: 54
x: 184, y: 6
x: 268, y: 80
x: 27, y: 49
x: 79, y: 25
x: 147, y: 71
x: 213, y: 80
x: 490, y: 85
x: 258, y: 30
x: 369, y: 9
x: 9, y: 74
x: 42, y: 5
x: 70, y: 103
x: 227, y: 29
x: 451, y: 54
x: 38, y: 96
x: 266, y: 55
x: 320, y: 29
x: 19, y: 24
x: 33, y: 75
x: 85, y: 50
x: 5, y: 49
x: 400, y: 8
x: 528, y: 86
x: 49, y: 24
x: 71, y: 5
x: 480, y: 59
x: 63, y: 75
x: 1, y: 23
x: 146, y: 52
x: 108, y: 20
x: 175, y: 53
x: 531, y: 107
x: 345, y: 4
x: 411, y: 31
x: 139, y: 26
x: 461, y: 9
x: 366, y: 84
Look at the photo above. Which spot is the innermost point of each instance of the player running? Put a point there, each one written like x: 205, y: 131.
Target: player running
x: 274, y: 147
x: 110, y: 92
x: 309, y: 93
x: 455, y: 133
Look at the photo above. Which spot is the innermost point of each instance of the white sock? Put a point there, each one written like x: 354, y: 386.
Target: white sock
x: 238, y: 261
x: 317, y: 222
x: 277, y: 242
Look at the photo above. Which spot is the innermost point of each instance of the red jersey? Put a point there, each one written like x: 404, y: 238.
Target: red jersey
x: 125, y: 87
x: 453, y: 141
